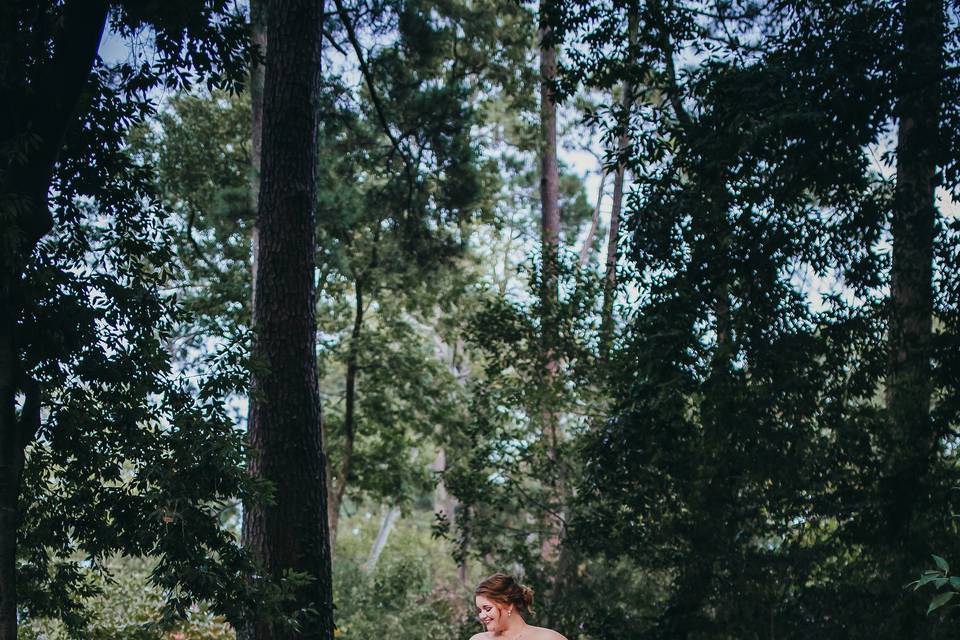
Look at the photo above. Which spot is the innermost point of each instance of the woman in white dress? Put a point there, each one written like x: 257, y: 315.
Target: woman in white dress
x: 501, y: 603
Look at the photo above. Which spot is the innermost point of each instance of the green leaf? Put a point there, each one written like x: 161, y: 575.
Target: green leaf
x: 926, y: 578
x: 941, y: 563
x: 940, y: 600
x: 955, y: 582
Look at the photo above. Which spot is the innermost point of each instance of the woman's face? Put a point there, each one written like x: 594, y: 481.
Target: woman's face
x: 491, y: 616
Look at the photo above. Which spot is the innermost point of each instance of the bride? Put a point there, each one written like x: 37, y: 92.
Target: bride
x: 501, y: 603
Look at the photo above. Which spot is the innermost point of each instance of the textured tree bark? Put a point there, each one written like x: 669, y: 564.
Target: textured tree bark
x: 291, y: 533
x: 913, y: 230
x: 349, y: 415
x: 44, y: 110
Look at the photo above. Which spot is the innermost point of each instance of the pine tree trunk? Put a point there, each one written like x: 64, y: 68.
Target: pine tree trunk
x: 909, y: 386
x: 613, y: 255
x: 549, y: 177
x: 550, y: 249
x: 444, y: 504
x: 16, y: 432
x: 258, y: 34
x: 292, y: 532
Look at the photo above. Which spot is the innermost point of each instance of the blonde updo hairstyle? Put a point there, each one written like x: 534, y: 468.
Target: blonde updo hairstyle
x: 505, y: 591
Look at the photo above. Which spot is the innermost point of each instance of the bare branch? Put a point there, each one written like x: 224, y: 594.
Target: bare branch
x: 367, y: 77
x: 666, y: 47
x: 588, y: 241
x: 334, y: 44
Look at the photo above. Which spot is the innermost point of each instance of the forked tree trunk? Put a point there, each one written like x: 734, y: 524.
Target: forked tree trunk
x: 443, y: 503
x: 291, y: 533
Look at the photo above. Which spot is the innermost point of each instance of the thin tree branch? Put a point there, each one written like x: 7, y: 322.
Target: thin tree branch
x: 666, y: 47
x: 588, y: 241
x: 335, y: 44
x: 537, y: 503
x: 188, y: 233
x: 368, y: 77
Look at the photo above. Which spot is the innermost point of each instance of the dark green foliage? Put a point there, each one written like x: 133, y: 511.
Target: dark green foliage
x: 751, y: 452
x: 201, y: 144
x: 503, y: 465
x: 402, y: 595
x: 394, y: 221
x: 124, y: 461
x: 944, y: 584
x: 130, y: 458
x: 740, y: 465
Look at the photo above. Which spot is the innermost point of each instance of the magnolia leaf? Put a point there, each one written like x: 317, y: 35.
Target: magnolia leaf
x: 941, y: 600
x: 941, y: 563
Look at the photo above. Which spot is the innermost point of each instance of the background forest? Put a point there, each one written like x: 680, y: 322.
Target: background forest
x: 315, y: 312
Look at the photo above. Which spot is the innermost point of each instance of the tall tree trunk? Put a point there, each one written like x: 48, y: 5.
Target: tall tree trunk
x: 551, y: 548
x: 11, y: 466
x: 909, y: 386
x: 44, y: 110
x: 549, y: 176
x: 258, y: 35
x: 613, y: 255
x: 550, y: 249
x: 11, y: 462
x: 349, y: 415
x: 292, y: 532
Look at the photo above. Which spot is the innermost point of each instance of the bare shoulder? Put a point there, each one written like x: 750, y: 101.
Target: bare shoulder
x: 483, y: 635
x: 541, y: 633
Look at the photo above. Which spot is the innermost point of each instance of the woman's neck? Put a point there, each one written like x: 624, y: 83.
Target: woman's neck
x: 514, y: 629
